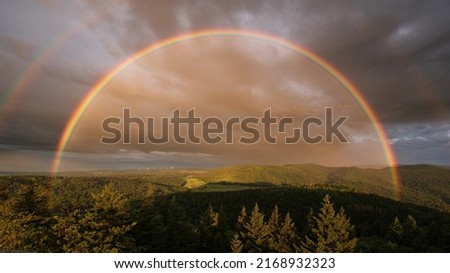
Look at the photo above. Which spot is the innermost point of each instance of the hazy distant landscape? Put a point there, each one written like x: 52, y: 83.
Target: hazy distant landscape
x: 174, y: 210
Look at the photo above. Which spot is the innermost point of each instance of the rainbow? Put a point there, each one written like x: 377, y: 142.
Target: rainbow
x: 104, y: 81
x: 26, y: 78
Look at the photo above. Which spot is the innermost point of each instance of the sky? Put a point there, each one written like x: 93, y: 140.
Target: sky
x: 397, y: 53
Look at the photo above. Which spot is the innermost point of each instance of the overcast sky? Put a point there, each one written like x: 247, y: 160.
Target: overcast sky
x: 52, y: 52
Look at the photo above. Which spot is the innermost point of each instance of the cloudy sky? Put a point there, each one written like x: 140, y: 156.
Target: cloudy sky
x: 53, y: 52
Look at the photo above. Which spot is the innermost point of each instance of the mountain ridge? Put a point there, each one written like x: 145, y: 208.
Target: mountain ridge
x: 421, y: 184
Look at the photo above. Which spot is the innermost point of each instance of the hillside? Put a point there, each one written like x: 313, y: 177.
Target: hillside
x: 165, y: 210
x: 420, y: 184
x: 426, y: 185
x: 371, y: 215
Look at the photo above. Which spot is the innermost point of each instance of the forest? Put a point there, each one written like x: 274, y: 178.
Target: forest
x: 292, y: 208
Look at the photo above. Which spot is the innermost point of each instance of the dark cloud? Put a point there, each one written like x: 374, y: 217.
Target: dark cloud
x: 422, y: 143
x: 396, y: 52
x: 17, y: 47
x: 17, y: 159
x: 389, y: 49
x: 72, y: 72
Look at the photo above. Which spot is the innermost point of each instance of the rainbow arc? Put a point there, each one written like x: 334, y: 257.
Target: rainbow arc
x: 311, y: 56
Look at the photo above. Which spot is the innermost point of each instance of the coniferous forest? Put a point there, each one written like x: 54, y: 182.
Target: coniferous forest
x: 240, y: 209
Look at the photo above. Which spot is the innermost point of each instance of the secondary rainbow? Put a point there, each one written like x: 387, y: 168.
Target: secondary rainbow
x: 35, y: 68
x: 92, y: 94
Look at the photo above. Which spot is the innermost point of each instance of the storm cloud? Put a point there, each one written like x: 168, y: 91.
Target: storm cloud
x: 51, y: 54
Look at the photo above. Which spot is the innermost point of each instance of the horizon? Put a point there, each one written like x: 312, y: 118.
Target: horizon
x: 172, y: 168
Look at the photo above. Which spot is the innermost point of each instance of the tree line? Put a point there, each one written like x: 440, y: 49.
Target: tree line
x: 107, y: 226
x: 110, y: 219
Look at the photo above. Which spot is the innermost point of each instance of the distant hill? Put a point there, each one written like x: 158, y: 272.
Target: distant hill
x: 420, y: 184
x: 426, y: 185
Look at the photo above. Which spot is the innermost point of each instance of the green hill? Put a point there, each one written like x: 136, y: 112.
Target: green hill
x: 278, y: 175
x: 420, y: 184
x: 168, y: 210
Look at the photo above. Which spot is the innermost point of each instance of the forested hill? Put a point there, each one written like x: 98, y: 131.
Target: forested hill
x: 203, y: 210
x: 420, y: 184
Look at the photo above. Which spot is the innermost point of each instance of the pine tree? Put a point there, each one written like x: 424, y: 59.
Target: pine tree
x: 157, y: 239
x: 213, y: 231
x: 257, y: 233
x: 102, y: 228
x: 253, y: 232
x: 27, y: 200
x: 284, y: 237
x: 404, y: 237
x: 242, y: 219
x: 410, y: 223
x: 181, y: 234
x: 24, y: 225
x: 88, y: 232
x: 110, y: 202
x: 331, y: 231
x: 396, y: 228
x: 287, y: 239
x: 236, y: 244
x: 274, y: 221
x: 25, y: 232
x: 210, y: 218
